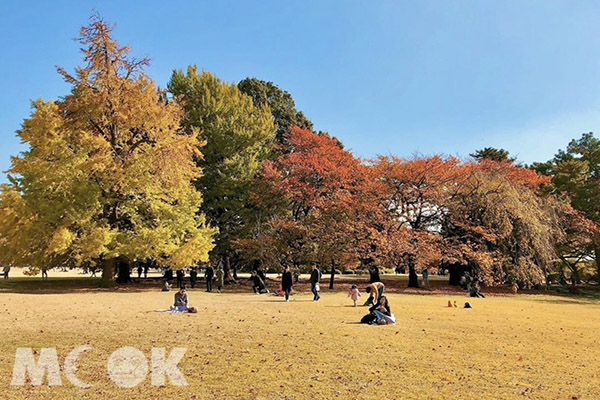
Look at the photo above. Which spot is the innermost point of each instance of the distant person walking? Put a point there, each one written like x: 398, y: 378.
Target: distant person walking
x: 209, y: 275
x: 219, y: 278
x: 45, y: 273
x: 315, y: 278
x: 140, y: 270
x: 146, y: 271
x: 375, y: 291
x: 354, y: 294
x: 286, y: 282
x: 6, y: 271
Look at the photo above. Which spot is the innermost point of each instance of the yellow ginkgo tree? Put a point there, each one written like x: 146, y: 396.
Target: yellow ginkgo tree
x: 107, y: 173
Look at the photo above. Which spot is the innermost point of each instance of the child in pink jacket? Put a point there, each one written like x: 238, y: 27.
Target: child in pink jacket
x: 354, y: 294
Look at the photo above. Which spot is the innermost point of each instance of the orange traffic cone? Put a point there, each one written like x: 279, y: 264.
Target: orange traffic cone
x: 449, y: 304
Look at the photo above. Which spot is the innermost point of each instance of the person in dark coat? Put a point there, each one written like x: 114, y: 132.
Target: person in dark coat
x: 168, y: 275
x: 146, y: 271
x: 258, y: 285
x: 209, y: 275
x: 193, y: 276
x: 286, y: 282
x: 140, y: 269
x: 315, y: 277
x: 180, y: 274
x: 261, y: 274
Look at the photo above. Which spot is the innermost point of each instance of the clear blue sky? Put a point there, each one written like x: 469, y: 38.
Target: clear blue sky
x: 384, y: 76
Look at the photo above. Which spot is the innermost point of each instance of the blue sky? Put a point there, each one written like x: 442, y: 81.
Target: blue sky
x: 385, y: 77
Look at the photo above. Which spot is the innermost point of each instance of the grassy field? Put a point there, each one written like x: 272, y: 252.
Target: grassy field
x: 247, y: 346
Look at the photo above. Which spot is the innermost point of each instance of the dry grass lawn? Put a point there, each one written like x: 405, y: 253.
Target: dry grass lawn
x: 257, y: 347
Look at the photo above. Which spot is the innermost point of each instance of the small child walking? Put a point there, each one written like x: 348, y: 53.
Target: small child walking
x: 354, y: 294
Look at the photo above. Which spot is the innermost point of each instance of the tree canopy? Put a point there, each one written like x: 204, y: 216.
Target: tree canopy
x: 107, y: 174
x: 118, y: 171
x: 238, y: 136
x: 280, y: 102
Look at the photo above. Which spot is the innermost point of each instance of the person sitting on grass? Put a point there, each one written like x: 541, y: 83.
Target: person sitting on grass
x: 279, y: 292
x: 382, y: 312
x: 181, y: 302
x: 375, y: 291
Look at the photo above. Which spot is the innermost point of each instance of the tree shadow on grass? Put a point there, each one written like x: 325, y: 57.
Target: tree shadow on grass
x: 570, y: 300
x: 62, y: 285
x: 346, y: 306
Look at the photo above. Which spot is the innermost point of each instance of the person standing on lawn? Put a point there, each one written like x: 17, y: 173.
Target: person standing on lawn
x: 219, y: 278
x: 209, y: 275
x: 6, y: 271
x: 425, y: 275
x: 315, y: 277
x: 286, y: 282
x: 180, y: 274
x: 193, y: 276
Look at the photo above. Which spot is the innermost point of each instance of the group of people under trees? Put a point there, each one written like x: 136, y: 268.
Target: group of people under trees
x: 214, y: 277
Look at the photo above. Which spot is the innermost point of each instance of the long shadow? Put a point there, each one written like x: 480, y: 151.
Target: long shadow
x: 573, y: 300
x: 282, y: 301
x: 62, y: 285
x: 346, y: 306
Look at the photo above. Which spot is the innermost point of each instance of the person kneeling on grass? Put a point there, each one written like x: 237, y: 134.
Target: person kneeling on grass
x: 375, y: 291
x: 382, y: 312
x: 258, y: 285
x: 474, y: 289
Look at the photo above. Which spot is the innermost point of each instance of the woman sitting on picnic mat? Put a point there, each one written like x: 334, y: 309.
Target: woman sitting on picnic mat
x: 181, y: 303
x: 381, y: 313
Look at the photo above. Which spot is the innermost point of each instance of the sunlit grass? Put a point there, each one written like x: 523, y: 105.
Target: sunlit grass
x: 249, y: 346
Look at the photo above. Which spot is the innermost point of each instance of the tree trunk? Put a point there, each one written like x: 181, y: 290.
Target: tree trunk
x: 455, y: 272
x: 124, y: 275
x: 597, y: 256
x: 228, y: 277
x: 108, y: 273
x: 332, y: 277
x: 413, y: 279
